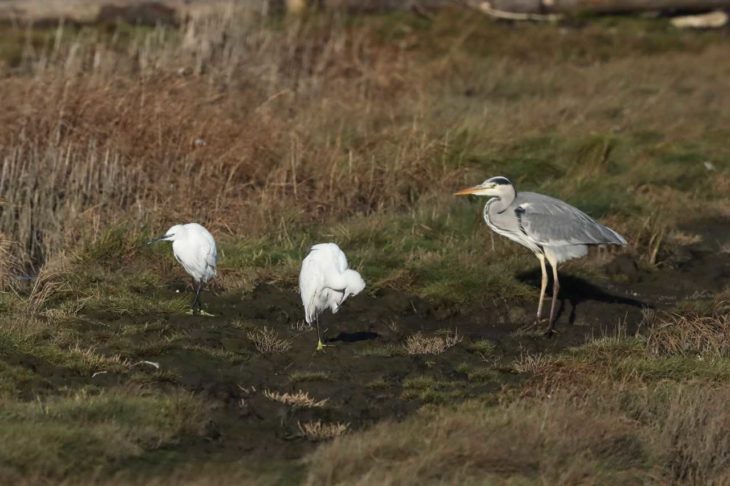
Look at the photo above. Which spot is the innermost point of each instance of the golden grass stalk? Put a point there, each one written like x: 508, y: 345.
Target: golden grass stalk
x: 267, y: 341
x: 318, y: 431
x: 421, y: 344
x: 299, y: 399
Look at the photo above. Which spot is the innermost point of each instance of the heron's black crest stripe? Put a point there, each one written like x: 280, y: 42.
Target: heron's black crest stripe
x: 501, y: 181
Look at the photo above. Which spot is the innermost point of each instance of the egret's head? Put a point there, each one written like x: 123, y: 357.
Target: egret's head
x: 172, y: 234
x: 355, y: 283
x: 495, y: 187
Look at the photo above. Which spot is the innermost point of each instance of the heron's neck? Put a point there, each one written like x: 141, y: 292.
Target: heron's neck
x: 498, y: 204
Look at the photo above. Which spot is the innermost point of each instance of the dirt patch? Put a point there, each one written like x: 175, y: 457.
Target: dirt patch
x: 367, y: 374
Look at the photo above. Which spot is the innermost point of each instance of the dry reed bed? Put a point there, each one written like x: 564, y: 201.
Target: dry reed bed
x: 705, y: 335
x: 222, y: 122
x: 251, y: 127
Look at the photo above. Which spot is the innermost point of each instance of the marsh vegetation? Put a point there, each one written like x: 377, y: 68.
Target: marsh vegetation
x: 280, y: 133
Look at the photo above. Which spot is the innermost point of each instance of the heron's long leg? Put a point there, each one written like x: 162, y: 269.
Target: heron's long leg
x: 543, y: 284
x: 553, y: 306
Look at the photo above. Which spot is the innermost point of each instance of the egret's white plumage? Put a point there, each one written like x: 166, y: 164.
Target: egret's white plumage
x: 194, y: 248
x: 325, y: 281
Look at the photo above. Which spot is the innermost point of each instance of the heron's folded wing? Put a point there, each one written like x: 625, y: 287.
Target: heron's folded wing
x: 549, y: 221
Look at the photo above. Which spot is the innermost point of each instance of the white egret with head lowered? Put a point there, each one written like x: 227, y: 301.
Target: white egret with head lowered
x: 325, y: 282
x: 552, y: 229
x: 194, y: 248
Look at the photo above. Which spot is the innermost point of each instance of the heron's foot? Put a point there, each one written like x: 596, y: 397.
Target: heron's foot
x: 550, y: 332
x: 537, y: 323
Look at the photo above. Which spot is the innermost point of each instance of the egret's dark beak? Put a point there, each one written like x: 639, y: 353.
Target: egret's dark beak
x: 468, y: 191
x: 161, y: 238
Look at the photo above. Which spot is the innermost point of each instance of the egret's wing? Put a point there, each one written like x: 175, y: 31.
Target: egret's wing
x: 550, y: 221
x: 208, y: 253
x: 341, y: 260
x: 333, y: 299
x: 310, y: 283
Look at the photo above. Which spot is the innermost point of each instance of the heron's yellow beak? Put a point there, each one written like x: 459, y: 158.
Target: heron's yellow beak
x: 468, y: 191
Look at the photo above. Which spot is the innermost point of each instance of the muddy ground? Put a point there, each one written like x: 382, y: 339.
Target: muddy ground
x: 366, y: 374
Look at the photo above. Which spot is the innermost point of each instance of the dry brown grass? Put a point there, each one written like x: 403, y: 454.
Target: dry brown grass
x: 50, y: 283
x: 420, y: 344
x: 124, y: 135
x: 299, y: 399
x: 267, y: 341
x: 10, y: 268
x: 251, y: 129
x: 691, y: 333
x: 533, y: 363
x: 612, y: 434
x: 318, y: 431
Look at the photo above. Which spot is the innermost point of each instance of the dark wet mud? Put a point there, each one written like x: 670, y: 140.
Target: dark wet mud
x: 366, y: 375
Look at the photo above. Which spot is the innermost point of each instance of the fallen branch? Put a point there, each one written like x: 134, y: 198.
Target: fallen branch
x: 487, y: 8
x: 552, y: 9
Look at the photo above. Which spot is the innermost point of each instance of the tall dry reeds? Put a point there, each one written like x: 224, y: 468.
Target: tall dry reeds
x: 248, y: 124
x: 222, y: 121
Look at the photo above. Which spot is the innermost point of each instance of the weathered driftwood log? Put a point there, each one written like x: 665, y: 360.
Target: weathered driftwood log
x: 597, y: 6
x: 295, y: 6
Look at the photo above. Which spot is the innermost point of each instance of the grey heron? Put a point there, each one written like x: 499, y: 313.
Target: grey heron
x: 325, y: 282
x: 194, y: 248
x: 552, y: 229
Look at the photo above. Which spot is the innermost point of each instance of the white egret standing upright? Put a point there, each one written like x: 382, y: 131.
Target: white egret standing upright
x: 325, y: 282
x: 194, y: 248
x: 552, y: 229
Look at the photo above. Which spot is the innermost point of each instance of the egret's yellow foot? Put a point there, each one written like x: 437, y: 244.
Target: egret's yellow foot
x: 200, y: 312
x: 321, y: 345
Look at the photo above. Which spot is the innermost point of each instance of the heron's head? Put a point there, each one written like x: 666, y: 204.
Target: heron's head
x: 355, y: 283
x: 494, y: 187
x: 172, y: 234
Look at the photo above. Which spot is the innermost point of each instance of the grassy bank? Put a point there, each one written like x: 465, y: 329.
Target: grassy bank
x: 277, y: 134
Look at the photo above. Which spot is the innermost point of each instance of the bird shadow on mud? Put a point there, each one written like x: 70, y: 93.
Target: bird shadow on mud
x: 575, y: 291
x: 354, y: 337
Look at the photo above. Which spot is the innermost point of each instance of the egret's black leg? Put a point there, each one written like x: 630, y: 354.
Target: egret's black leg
x: 196, y: 303
x: 320, y: 345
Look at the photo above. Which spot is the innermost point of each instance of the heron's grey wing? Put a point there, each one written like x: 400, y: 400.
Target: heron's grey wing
x: 552, y: 222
